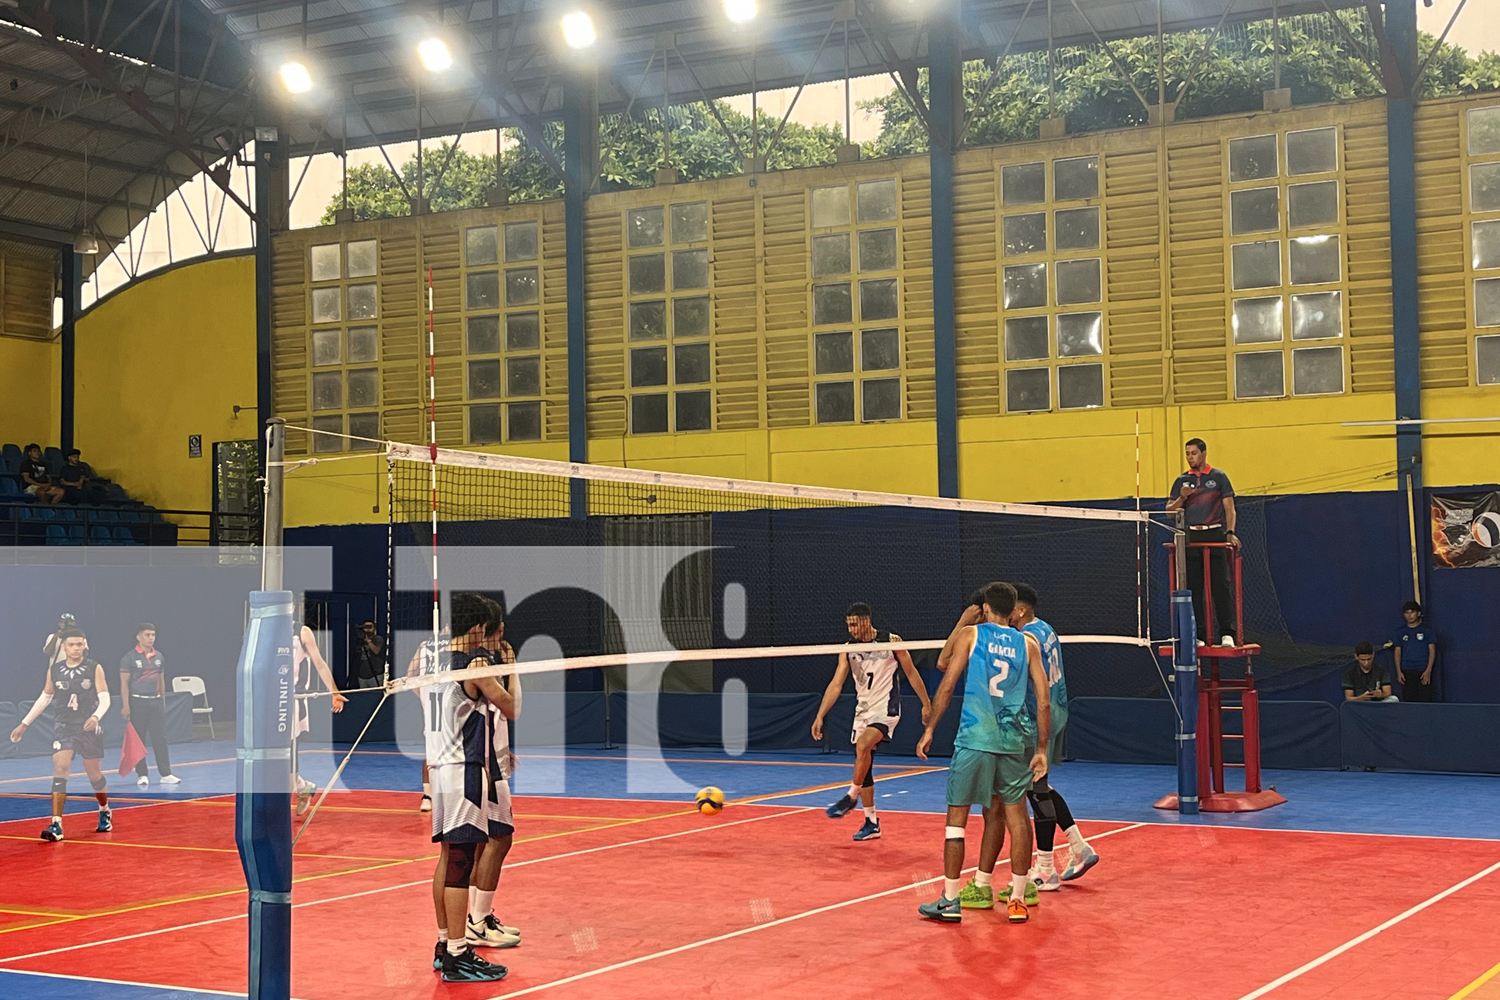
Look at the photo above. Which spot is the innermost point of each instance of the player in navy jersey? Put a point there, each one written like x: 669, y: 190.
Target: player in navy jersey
x: 989, y: 769
x: 485, y: 929
x: 459, y: 748
x: 877, y: 693
x: 76, y: 686
x: 1047, y: 805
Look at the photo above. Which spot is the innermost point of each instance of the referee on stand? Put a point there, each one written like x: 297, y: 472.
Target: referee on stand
x: 1208, y: 499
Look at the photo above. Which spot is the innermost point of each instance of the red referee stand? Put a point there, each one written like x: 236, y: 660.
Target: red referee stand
x: 1214, y: 662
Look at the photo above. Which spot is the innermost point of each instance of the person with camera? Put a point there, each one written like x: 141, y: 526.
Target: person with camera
x: 367, y: 663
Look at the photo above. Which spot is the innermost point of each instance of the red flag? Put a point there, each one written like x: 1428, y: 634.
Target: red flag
x: 132, y: 752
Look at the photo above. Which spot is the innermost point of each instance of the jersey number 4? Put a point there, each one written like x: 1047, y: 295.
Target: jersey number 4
x: 1002, y: 668
x: 73, y: 702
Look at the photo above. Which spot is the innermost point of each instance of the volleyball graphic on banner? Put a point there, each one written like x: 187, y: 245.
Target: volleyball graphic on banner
x: 1465, y: 530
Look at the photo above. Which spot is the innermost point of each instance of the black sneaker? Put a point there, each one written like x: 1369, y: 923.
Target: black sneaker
x: 468, y: 967
x: 841, y: 807
x: 438, y: 951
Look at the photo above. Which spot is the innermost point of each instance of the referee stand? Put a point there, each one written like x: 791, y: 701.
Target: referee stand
x: 1215, y: 664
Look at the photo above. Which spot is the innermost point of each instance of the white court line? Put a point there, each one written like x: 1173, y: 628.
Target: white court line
x: 1336, y: 952
x: 175, y: 991
x: 403, y: 885
x: 746, y: 930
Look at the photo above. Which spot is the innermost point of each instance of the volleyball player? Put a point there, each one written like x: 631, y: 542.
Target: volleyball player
x: 1047, y: 805
x: 877, y: 692
x: 423, y: 662
x: 485, y: 929
x: 458, y: 752
x: 306, y: 659
x: 989, y: 766
x: 79, y: 687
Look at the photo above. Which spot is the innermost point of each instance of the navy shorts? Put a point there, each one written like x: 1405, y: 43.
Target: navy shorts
x: 89, y: 746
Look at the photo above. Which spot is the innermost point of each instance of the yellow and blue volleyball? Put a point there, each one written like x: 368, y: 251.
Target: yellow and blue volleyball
x: 710, y: 800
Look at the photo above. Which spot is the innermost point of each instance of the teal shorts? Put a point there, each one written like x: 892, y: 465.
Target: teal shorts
x: 975, y: 777
x: 1055, y: 739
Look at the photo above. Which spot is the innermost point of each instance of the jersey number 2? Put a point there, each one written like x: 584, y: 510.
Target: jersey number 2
x: 1003, y: 671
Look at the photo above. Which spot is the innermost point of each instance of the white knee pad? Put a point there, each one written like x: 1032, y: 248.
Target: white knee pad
x: 953, y: 833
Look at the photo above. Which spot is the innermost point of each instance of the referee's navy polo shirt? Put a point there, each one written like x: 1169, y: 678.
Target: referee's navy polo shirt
x: 1205, y: 505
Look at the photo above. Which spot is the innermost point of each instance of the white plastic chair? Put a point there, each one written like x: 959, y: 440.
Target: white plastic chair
x: 194, y: 686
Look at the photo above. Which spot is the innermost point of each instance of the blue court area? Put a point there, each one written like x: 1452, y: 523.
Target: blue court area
x: 1390, y: 803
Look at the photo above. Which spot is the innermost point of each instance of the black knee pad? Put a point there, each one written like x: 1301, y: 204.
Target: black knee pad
x: 101, y: 784
x: 1042, y: 807
x: 460, y: 865
x: 869, y: 779
x: 59, y: 786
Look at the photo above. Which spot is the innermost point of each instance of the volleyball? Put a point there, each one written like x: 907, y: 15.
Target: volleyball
x: 1486, y: 529
x: 710, y: 801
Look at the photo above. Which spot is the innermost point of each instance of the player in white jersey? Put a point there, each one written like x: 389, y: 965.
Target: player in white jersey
x: 877, y: 692
x: 485, y: 929
x: 459, y: 749
x: 423, y: 663
x: 306, y: 660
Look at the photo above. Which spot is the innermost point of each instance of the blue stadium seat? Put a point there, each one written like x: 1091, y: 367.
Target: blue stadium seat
x: 99, y: 535
x: 115, y: 492
x: 57, y: 535
x: 104, y: 517
x: 53, y: 457
x: 65, y: 514
x: 10, y: 458
x: 10, y: 489
x: 123, y: 536
x: 75, y: 534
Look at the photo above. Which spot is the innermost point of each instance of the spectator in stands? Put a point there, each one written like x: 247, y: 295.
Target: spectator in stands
x: 74, y: 480
x: 1365, y: 680
x: 34, y: 474
x: 367, y: 669
x: 1416, y: 652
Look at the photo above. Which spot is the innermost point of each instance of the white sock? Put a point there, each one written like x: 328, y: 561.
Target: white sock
x: 870, y: 813
x: 457, y: 946
x: 952, y: 887
x: 427, y: 788
x: 853, y: 791
x: 481, y: 903
x: 57, y: 820
x: 984, y: 879
x: 1044, y: 863
x: 1075, y: 839
x: 1018, y: 887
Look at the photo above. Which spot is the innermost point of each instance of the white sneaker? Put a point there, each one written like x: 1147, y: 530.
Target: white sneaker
x: 426, y: 805
x: 142, y: 780
x: 170, y: 779
x: 1081, y: 863
x: 1227, y: 640
x: 1047, y: 883
x: 488, y: 933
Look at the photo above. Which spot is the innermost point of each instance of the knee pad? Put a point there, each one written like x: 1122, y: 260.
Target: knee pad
x: 953, y: 833
x: 1042, y: 806
x: 460, y: 865
x: 59, y: 786
x: 869, y: 779
x: 99, y: 785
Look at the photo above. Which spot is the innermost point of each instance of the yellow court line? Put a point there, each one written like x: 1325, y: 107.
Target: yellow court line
x: 838, y: 784
x: 187, y: 847
x: 80, y: 774
x: 43, y: 913
x: 1467, y: 990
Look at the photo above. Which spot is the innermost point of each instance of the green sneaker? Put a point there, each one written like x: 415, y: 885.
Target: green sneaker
x: 1031, y: 895
x: 976, y: 897
x: 943, y: 910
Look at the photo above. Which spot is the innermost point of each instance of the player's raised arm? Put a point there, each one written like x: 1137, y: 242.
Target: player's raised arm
x: 973, y: 615
x: 310, y: 647
x: 1043, y: 704
x: 960, y: 649
x: 831, y: 694
x: 512, y: 681
x: 913, y: 678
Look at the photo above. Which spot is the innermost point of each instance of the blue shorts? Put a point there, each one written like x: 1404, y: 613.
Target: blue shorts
x: 72, y: 736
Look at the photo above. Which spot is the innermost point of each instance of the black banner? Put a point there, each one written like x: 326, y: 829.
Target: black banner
x: 1465, y: 530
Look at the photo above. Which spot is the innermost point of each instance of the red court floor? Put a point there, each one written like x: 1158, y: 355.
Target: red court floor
x: 631, y: 899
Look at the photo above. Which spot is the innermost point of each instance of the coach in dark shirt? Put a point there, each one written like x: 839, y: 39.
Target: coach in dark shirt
x: 1366, y: 680
x: 143, y: 680
x: 1207, y: 498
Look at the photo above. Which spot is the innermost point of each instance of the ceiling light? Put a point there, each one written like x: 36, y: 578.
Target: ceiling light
x: 740, y: 11
x: 295, y: 77
x: 578, y: 30
x: 435, y: 55
x: 85, y: 243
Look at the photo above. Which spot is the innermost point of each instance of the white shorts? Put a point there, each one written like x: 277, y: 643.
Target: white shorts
x: 460, y: 806
x: 864, y: 720
x: 497, y: 810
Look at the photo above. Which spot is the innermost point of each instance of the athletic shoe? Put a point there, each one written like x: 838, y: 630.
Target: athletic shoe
x: 468, y: 967
x: 870, y: 831
x: 943, y: 910
x: 170, y: 779
x: 53, y: 833
x: 505, y: 927
x: 304, y: 797
x: 439, y: 950
x: 486, y: 933
x: 106, y: 820
x: 142, y: 780
x: 1080, y: 864
x: 1227, y: 640
x: 426, y: 805
x: 1046, y: 883
x: 840, y: 808
x: 976, y: 897
x: 1016, y: 912
x: 1031, y: 898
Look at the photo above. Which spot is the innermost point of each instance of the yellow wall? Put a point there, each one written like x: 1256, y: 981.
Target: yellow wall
x: 168, y: 357
x: 29, y: 391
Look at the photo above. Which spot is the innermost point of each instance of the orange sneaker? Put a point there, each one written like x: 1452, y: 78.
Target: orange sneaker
x: 1015, y: 912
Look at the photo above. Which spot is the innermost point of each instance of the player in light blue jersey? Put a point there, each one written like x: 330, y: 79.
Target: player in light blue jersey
x: 1047, y: 803
x: 996, y: 734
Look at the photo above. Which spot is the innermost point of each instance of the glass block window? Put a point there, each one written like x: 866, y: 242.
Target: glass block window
x: 669, y: 316
x: 1482, y: 128
x: 502, y: 337
x: 1286, y: 313
x: 1487, y: 359
x: 1053, y: 321
x: 856, y: 302
x: 344, y: 345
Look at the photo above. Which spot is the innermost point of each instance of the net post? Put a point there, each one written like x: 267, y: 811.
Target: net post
x: 274, y: 507
x: 1185, y: 665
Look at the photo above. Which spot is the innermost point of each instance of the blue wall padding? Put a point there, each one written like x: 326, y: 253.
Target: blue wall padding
x: 1423, y: 737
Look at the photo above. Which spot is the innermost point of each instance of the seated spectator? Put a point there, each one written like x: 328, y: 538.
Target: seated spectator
x: 1365, y: 680
x: 34, y: 475
x: 76, y: 484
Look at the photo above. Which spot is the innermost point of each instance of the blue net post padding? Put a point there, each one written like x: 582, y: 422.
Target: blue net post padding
x: 1185, y: 664
x: 262, y: 804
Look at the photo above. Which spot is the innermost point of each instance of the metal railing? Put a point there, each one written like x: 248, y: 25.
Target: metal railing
x: 29, y: 523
